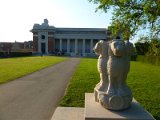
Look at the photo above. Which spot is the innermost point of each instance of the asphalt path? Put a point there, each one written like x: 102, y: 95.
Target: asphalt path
x: 36, y: 96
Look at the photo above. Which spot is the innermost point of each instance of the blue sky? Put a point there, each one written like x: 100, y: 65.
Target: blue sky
x: 18, y: 16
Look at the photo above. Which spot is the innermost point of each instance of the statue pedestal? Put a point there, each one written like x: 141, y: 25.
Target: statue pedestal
x: 114, y: 102
x: 94, y: 111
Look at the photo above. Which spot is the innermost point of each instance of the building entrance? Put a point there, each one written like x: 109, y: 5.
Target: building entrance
x: 43, y: 48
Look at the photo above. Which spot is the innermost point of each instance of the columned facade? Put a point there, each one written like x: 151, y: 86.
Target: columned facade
x: 75, y: 49
x: 68, y: 41
x: 68, y: 46
x: 60, y: 44
x: 91, y: 46
x: 84, y: 48
x: 80, y: 47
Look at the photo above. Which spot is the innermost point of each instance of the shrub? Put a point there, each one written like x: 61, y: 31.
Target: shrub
x: 14, y: 54
x: 155, y: 60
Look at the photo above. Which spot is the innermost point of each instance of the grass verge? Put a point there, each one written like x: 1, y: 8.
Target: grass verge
x: 83, y: 80
x: 12, y: 68
x: 143, y: 79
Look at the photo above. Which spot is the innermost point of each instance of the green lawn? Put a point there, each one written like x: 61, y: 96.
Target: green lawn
x: 143, y: 79
x: 12, y: 68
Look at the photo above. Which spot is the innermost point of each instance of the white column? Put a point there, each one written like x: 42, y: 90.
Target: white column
x: 68, y: 45
x: 60, y: 44
x: 76, y: 45
x: 84, y: 46
x: 91, y: 46
x: 39, y: 43
x: 46, y: 39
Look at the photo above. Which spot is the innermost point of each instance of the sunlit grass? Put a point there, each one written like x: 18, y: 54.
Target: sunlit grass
x: 143, y: 79
x: 83, y: 80
x: 12, y: 68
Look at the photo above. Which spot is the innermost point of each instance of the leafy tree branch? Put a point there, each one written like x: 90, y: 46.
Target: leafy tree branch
x: 131, y: 15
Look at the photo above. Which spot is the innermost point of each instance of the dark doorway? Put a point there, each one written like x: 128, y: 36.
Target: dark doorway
x: 43, y: 48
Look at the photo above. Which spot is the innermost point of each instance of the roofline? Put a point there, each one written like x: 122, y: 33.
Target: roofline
x: 70, y: 29
x: 81, y: 28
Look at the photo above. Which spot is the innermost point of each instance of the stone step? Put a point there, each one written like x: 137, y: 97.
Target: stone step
x: 68, y: 113
x: 94, y: 111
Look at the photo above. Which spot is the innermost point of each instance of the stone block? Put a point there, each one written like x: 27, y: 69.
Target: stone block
x: 94, y: 111
x: 68, y: 113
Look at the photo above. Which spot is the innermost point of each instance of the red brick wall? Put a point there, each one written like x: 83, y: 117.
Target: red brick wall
x: 50, y: 44
x: 35, y: 33
x: 35, y: 43
x: 50, y: 33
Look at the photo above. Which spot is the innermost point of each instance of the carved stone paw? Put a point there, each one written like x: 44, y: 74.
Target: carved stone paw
x: 115, y: 102
x: 112, y: 102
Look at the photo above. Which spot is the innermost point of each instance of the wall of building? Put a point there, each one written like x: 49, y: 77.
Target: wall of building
x: 68, y: 40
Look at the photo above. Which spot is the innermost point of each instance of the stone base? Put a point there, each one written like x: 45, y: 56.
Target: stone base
x: 94, y: 111
x: 114, y: 102
x: 68, y: 113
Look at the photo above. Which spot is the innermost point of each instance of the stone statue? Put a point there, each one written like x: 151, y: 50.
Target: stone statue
x: 129, y: 49
x: 101, y: 49
x: 45, y: 23
x: 128, y: 53
x: 117, y: 96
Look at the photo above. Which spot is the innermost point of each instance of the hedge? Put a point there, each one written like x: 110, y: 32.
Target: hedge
x: 155, y: 60
x: 14, y: 54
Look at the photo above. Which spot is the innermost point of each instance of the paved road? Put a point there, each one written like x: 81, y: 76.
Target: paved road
x: 35, y: 96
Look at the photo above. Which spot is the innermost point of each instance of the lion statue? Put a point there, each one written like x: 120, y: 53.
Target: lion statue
x: 115, y: 66
x: 118, y: 95
x: 101, y: 49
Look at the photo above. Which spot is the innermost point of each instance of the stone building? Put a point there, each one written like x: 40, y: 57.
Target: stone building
x: 11, y: 46
x: 70, y: 41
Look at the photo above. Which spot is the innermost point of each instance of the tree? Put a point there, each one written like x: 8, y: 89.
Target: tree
x: 131, y: 15
x: 141, y: 48
x: 148, y: 46
x: 154, y: 48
